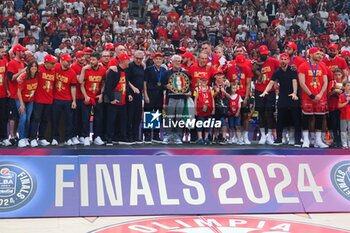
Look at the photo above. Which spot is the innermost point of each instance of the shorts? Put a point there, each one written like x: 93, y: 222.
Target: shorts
x: 234, y: 121
x: 222, y: 119
x: 266, y: 103
x: 309, y: 107
x: 202, y: 119
x: 12, y: 110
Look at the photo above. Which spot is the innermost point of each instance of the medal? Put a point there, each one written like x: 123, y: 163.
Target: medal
x: 314, y: 72
x: 159, y: 77
x: 159, y: 84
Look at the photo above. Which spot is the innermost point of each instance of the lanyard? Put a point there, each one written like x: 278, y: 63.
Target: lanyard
x: 291, y: 62
x: 239, y: 74
x: 159, y: 77
x: 314, y: 72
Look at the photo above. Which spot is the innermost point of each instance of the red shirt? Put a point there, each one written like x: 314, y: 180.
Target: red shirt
x: 14, y: 67
x: 333, y: 99
x: 297, y: 61
x: 93, y: 80
x: 28, y: 88
x: 344, y: 111
x: 63, y: 81
x: 195, y: 71
x: 239, y: 75
x: 314, y: 85
x: 205, y: 102
x: 77, y: 68
x: 46, y: 80
x: 121, y: 87
x: 332, y: 64
x: 269, y: 67
x: 3, y: 64
x: 234, y: 104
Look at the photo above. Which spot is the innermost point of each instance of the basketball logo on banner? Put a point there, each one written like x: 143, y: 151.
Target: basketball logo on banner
x: 340, y: 176
x: 179, y: 83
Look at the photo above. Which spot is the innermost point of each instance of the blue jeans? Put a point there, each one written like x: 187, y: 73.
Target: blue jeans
x: 24, y: 119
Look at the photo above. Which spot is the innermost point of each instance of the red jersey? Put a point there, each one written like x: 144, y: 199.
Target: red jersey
x: 77, y: 69
x: 205, y: 103
x: 14, y: 67
x: 195, y: 71
x: 313, y: 83
x: 3, y: 64
x: 46, y: 80
x: 234, y: 104
x: 64, y: 79
x: 239, y: 75
x: 28, y: 88
x: 333, y: 99
x: 268, y: 68
x: 121, y: 87
x: 344, y: 111
x: 93, y: 80
x: 297, y: 61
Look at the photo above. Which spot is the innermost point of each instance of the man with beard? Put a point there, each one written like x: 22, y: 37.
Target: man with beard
x: 313, y: 82
x: 91, y: 82
x: 187, y: 61
x: 64, y: 99
x: 288, y: 103
x: 265, y: 105
x: 154, y: 86
x: 43, y: 99
x: 14, y: 69
x: 3, y: 98
x: 87, y: 53
x: 334, y: 61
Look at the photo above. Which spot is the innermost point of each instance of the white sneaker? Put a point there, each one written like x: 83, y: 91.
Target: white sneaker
x: 54, y: 142
x: 75, y: 141
x: 165, y: 140
x: 6, y: 142
x: 320, y: 144
x: 81, y: 140
x: 68, y: 143
x: 306, y: 143
x: 22, y: 143
x: 269, y: 139
x: 234, y: 140
x: 178, y: 141
x: 43, y: 142
x: 262, y: 140
x: 34, y: 143
x: 86, y: 141
x: 240, y: 141
x: 27, y: 141
x: 98, y: 141
x: 246, y: 139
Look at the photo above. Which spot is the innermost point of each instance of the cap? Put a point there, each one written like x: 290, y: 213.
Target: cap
x: 88, y: 50
x: 66, y: 57
x: 263, y: 50
x: 313, y: 50
x: 345, y: 53
x: 240, y: 59
x: 204, y: 76
x: 18, y: 48
x: 79, y: 54
x: 284, y: 55
x: 188, y: 55
x: 218, y: 71
x: 49, y: 58
x: 109, y: 47
x: 292, y: 45
x: 333, y: 46
x: 157, y: 55
x: 123, y: 57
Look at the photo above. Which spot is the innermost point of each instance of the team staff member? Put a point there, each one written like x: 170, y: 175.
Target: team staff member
x: 14, y: 69
x: 91, y: 82
x: 43, y: 99
x: 313, y: 82
x: 154, y: 86
x: 4, y: 92
x: 117, y: 94
x: 64, y: 99
x: 265, y: 105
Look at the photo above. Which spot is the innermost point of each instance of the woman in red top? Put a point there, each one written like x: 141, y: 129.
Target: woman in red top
x: 27, y: 85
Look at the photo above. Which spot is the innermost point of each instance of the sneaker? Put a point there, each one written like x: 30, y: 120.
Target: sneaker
x: 148, y: 141
x: 76, y: 141
x: 207, y: 141
x: 246, y: 140
x: 98, y: 141
x: 43, y: 142
x: 54, y: 142
x: 278, y: 142
x: 224, y: 141
x: 157, y: 140
x: 234, y: 140
x: 166, y: 140
x: 138, y: 141
x: 126, y: 142
x: 109, y: 143
x: 178, y: 141
x: 297, y: 144
x: 86, y: 141
x: 200, y: 141
x: 34, y: 143
x: 320, y: 144
x: 306, y: 143
x: 14, y: 141
x: 81, y: 140
x: 68, y: 143
x: 22, y: 143
x: 240, y: 141
x: 269, y: 140
x: 6, y: 142
x: 262, y: 140
x: 27, y: 141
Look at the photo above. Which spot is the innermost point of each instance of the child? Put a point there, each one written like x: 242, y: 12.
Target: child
x: 222, y: 59
x: 344, y: 107
x: 335, y: 89
x: 234, y: 118
x: 204, y: 106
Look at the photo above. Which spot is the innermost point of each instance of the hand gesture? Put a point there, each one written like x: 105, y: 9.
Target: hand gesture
x: 294, y: 96
x: 263, y: 94
x: 74, y: 105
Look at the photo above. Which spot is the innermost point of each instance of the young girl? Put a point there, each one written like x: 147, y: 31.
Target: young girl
x: 344, y: 106
x: 204, y: 106
x: 234, y: 115
x: 27, y: 84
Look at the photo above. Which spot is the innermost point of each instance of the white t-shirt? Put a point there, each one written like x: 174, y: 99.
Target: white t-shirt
x: 32, y: 48
x: 79, y: 6
x: 40, y: 56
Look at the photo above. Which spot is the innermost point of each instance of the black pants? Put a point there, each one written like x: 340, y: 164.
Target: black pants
x: 3, y: 118
x: 283, y: 116
x: 58, y: 107
x: 41, y: 117
x: 77, y: 119
x: 134, y: 116
x: 155, y: 103
x: 98, y: 123
x: 318, y: 122
x: 266, y: 107
x: 117, y: 117
x: 334, y: 125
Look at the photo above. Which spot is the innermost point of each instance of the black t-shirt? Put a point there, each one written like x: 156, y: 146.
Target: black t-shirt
x: 153, y: 76
x: 285, y: 80
x: 136, y: 75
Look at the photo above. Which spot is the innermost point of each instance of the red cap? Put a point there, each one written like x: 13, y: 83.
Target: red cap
x: 345, y: 53
x: 88, y: 50
x: 218, y: 71
x: 240, y: 59
x: 292, y: 45
x: 123, y: 57
x: 109, y: 47
x: 313, y: 50
x: 18, y: 48
x: 284, y: 55
x: 49, y: 58
x: 333, y: 46
x: 157, y: 55
x: 79, y: 54
x: 263, y: 50
x: 203, y: 76
x: 188, y: 55
x: 66, y: 57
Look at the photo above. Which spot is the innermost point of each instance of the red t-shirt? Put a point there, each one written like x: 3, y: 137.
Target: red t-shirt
x: 93, y: 80
x: 344, y: 111
x: 239, y: 75
x: 46, y: 81
x: 297, y: 61
x: 332, y: 64
x: 3, y: 64
x: 269, y: 67
x: 195, y: 71
x: 77, y: 69
x: 205, y: 102
x: 63, y: 81
x: 121, y: 87
x: 14, y: 67
x: 28, y: 88
x: 314, y: 85
x: 333, y: 99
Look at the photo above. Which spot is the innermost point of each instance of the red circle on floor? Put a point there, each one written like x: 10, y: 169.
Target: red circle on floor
x: 214, y: 224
